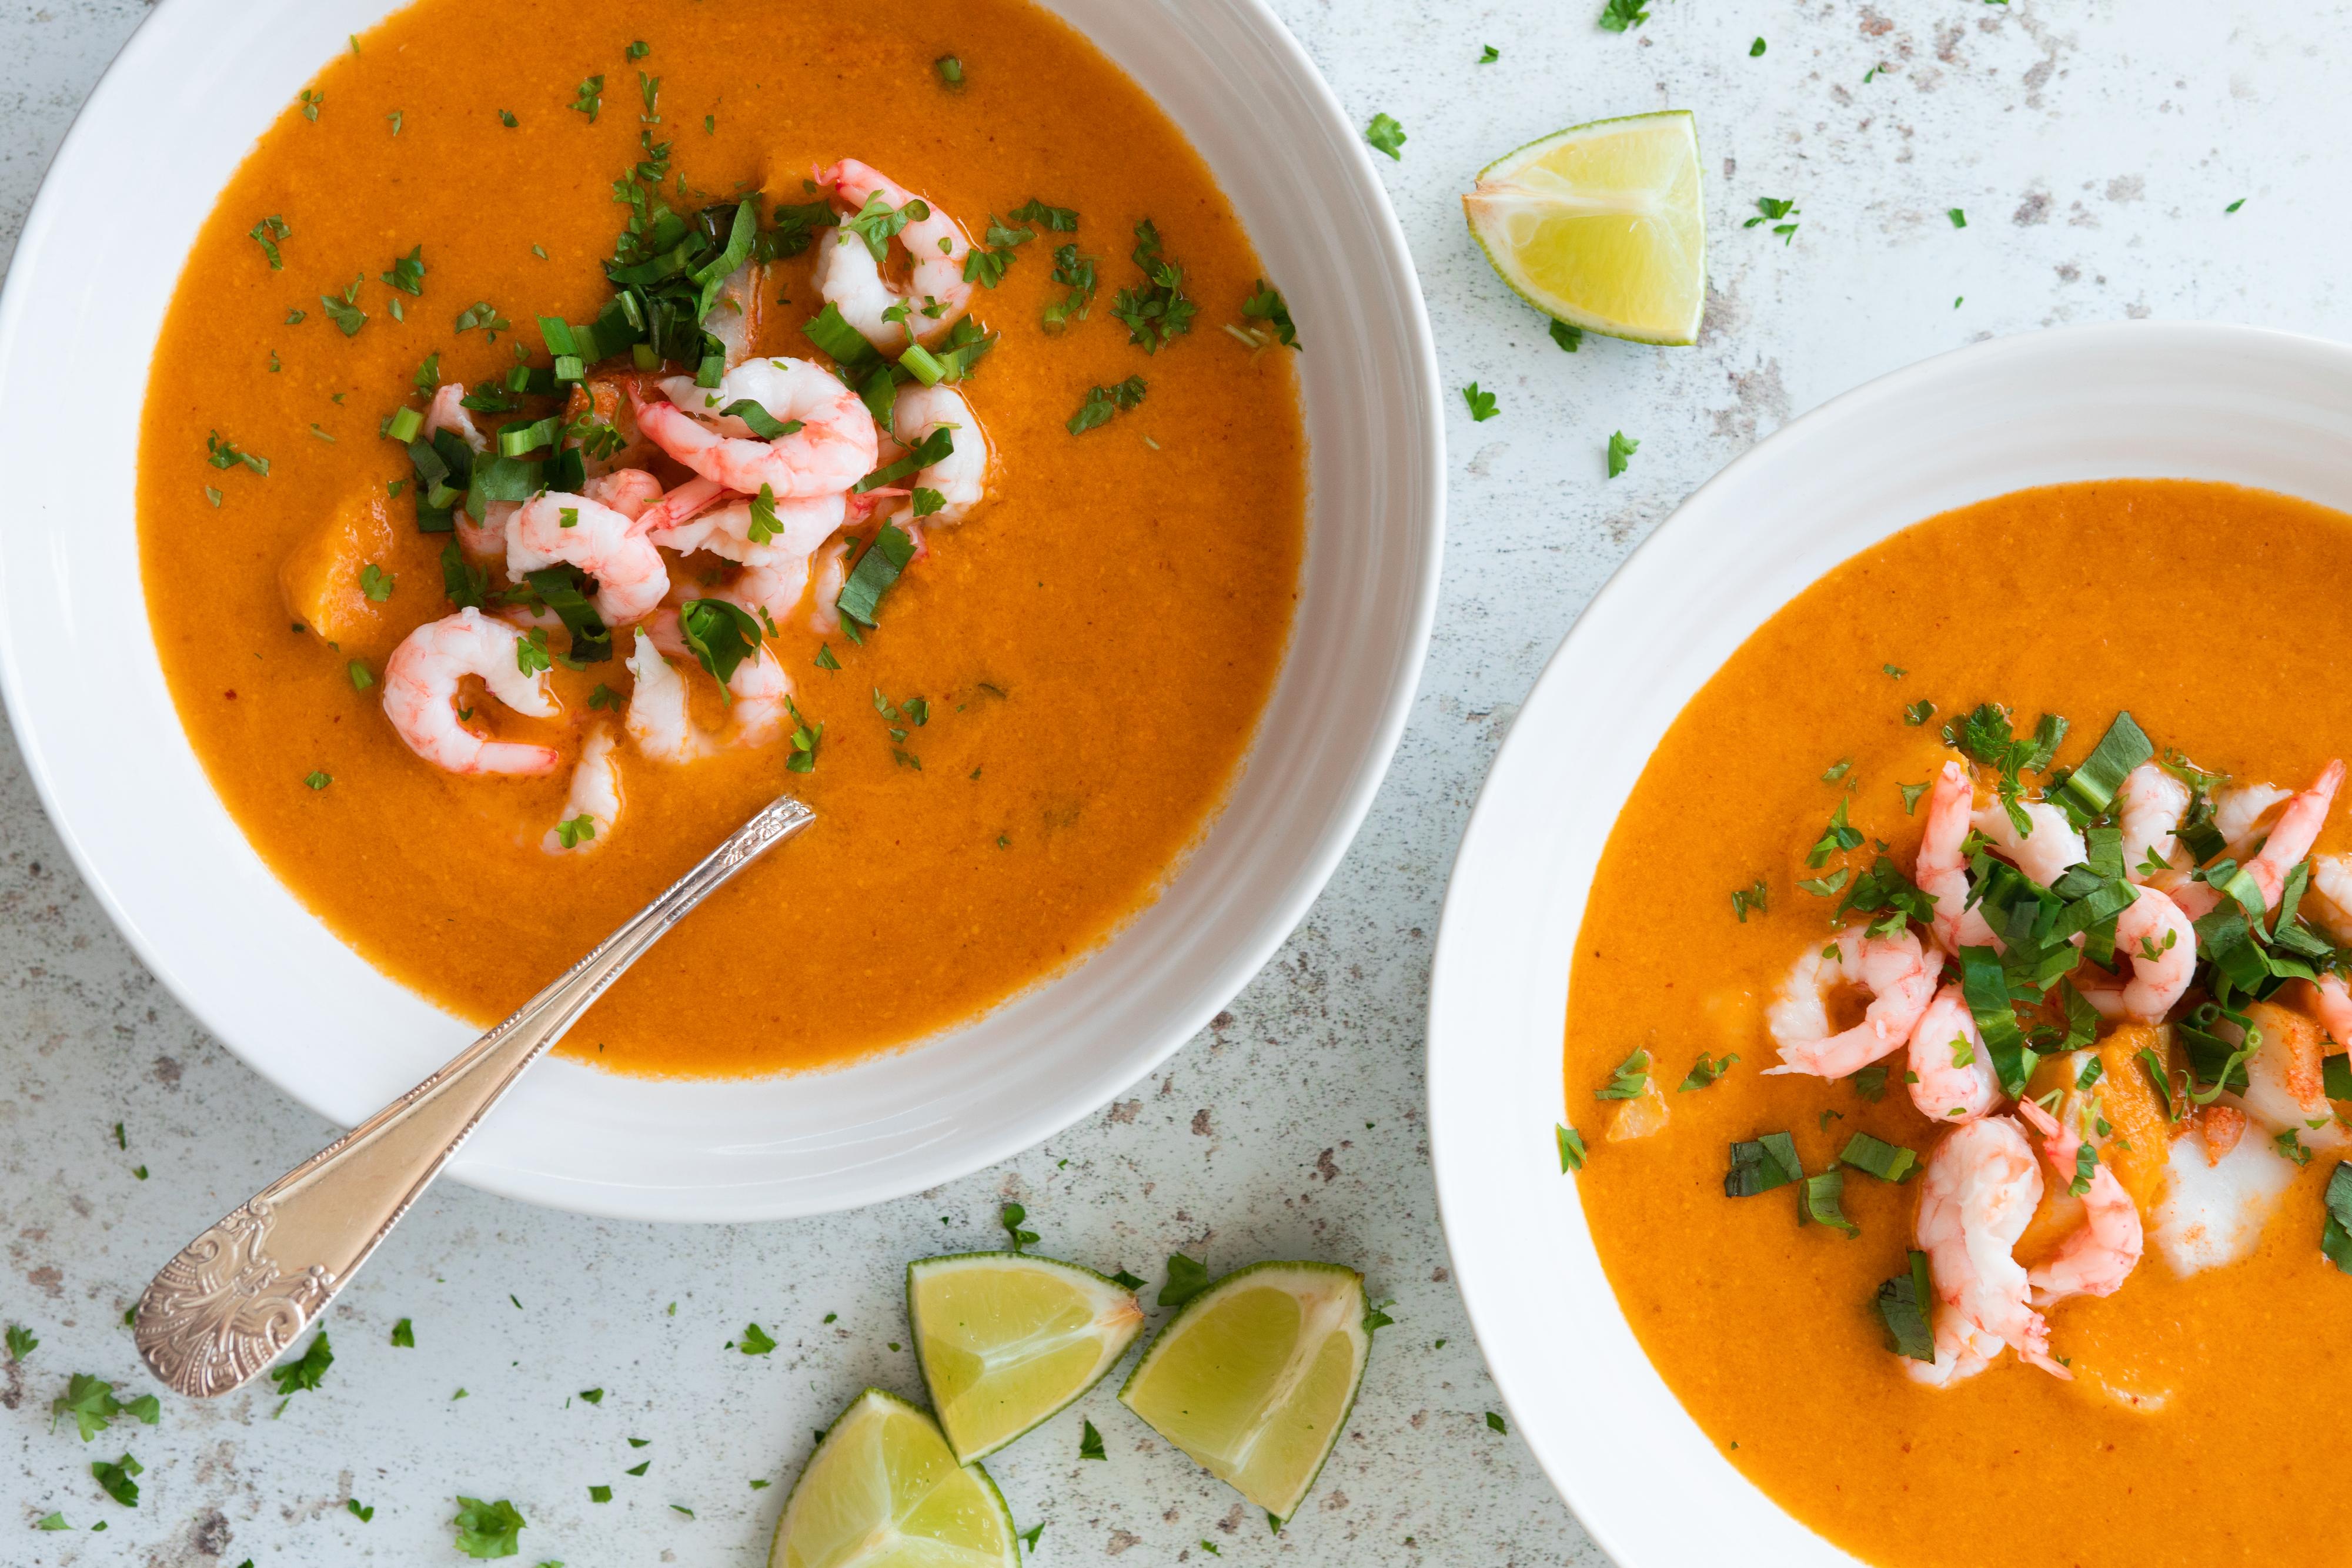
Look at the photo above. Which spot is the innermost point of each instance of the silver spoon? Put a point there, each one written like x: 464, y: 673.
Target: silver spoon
x: 238, y: 1295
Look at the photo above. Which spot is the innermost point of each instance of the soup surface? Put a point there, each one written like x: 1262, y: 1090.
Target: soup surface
x: 2179, y: 1437
x: 1058, y: 693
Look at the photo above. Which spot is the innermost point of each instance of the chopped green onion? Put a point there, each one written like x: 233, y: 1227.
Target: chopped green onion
x: 1761, y: 1164
x: 2124, y: 747
x: 644, y: 355
x: 763, y: 424
x: 923, y: 365
x: 1821, y: 1202
x: 1903, y: 1303
x: 404, y: 425
x: 1887, y: 1162
x: 861, y: 596
x: 568, y: 367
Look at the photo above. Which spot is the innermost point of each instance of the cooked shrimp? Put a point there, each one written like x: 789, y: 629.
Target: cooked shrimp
x: 2331, y: 998
x: 2290, y: 840
x: 1899, y: 977
x: 420, y: 689
x: 593, y: 804
x: 447, y: 412
x: 759, y: 693
x: 553, y: 527
x: 487, y: 538
x: 2328, y: 899
x: 2044, y: 851
x: 1941, y: 870
x: 831, y: 572
x: 776, y: 569
x: 2097, y: 1259
x: 610, y: 400
x: 1979, y: 1193
x: 961, y: 479
x: 1962, y: 1350
x: 629, y: 491
x: 2155, y: 939
x: 680, y: 505
x: 2149, y: 807
x: 849, y: 275
x: 2287, y: 1082
x: 832, y: 450
x: 1952, y: 1078
x: 2236, y: 812
x: 657, y: 719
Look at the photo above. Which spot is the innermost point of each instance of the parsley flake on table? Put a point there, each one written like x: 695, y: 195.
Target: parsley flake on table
x: 1756, y: 48
x: 1494, y: 1422
x: 52, y: 1521
x: 2233, y: 206
x: 600, y: 1494
x: 115, y: 1480
x: 1090, y: 1444
x: 365, y: 1515
x: 486, y: 1529
x: 403, y: 1335
x: 1619, y: 15
x: 88, y: 1400
x: 1012, y: 1217
x: 755, y: 1341
x: 1387, y: 136
x: 21, y: 1342
x: 267, y: 234
x: 1773, y: 210
x: 1621, y: 448
x: 1125, y: 1280
x: 1488, y: 55
x: 1959, y: 219
x: 1482, y: 403
x: 1569, y: 337
x: 306, y: 1370
x: 1186, y: 1280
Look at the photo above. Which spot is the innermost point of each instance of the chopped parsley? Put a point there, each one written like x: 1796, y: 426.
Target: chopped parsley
x: 1482, y: 403
x: 1621, y: 448
x: 365, y: 1515
x: 1571, y: 1149
x: 1773, y: 210
x: 344, y: 310
x: 403, y: 1334
x: 311, y: 104
x: 361, y: 676
x: 951, y: 69
x: 223, y: 453
x: 407, y: 274
x: 2233, y: 206
x: 1704, y: 1072
x: 1090, y: 1444
x: 317, y: 780
x: 589, y: 98
x: 115, y: 1480
x: 1494, y: 1422
x: 1265, y: 304
x: 1102, y: 403
x: 483, y: 314
x: 1959, y: 219
x: 600, y: 1494
x: 573, y: 831
x: 306, y: 1370
x: 376, y: 583
x: 1619, y: 15
x: 1839, y: 835
x: 1753, y: 896
x: 720, y: 635
x: 486, y: 1529
x: 1158, y: 312
x: 1569, y: 337
x: 984, y: 263
x: 755, y: 1341
x: 1386, y: 136
x: 1186, y: 1280
x: 88, y: 1400
x: 1631, y: 1077
x: 1076, y: 273
x: 1057, y: 220
x: 1489, y: 54
x: 267, y: 234
x: 1918, y: 713
x: 1013, y: 1216
x: 21, y: 1342
x: 1756, y: 48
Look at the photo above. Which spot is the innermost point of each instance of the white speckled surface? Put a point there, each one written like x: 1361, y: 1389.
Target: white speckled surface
x: 2093, y: 148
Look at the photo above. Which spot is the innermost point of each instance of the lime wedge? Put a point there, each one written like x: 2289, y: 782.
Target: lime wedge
x: 1255, y: 1377
x: 1007, y: 1340
x: 1601, y: 225
x: 883, y: 1491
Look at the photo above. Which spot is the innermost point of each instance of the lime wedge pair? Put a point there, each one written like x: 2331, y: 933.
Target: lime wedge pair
x: 1603, y: 226
x: 1253, y: 1378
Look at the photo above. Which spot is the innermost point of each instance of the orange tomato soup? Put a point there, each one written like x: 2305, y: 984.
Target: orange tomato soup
x: 2215, y: 615
x: 1092, y: 648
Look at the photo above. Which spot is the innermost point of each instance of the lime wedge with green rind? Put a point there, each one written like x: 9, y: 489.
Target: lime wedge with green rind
x: 883, y: 1491
x: 1006, y: 1340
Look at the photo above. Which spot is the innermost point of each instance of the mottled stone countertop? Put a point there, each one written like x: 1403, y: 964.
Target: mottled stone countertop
x: 2093, y: 148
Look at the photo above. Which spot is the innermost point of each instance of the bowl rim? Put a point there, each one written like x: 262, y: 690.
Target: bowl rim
x: 163, y: 37
x: 1490, y: 1273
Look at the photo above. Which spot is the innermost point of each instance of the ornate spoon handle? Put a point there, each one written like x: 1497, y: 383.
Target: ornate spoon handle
x: 239, y: 1294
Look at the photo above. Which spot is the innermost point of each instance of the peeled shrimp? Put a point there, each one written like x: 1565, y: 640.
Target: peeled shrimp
x: 2096, y: 1259
x: 447, y: 412
x: 659, y: 721
x: 2044, y: 851
x: 595, y: 795
x: 735, y: 314
x: 832, y: 570
x: 961, y: 479
x: 629, y: 491
x: 630, y: 573
x: 607, y: 400
x: 420, y: 689
x: 849, y: 276
x: 2290, y: 840
x: 2286, y: 1083
x: 834, y: 448
x: 2149, y: 807
x: 775, y: 569
x: 1941, y: 872
x: 1896, y: 973
x: 1962, y: 1350
x: 1975, y: 1200
x: 1952, y: 1077
x: 2155, y: 939
x: 2235, y: 811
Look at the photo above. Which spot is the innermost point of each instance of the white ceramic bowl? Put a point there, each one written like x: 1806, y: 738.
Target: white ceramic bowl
x: 85, y: 297
x: 2133, y: 400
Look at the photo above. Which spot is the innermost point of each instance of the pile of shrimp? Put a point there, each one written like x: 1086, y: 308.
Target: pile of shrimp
x: 1982, y: 1181
x: 772, y: 508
